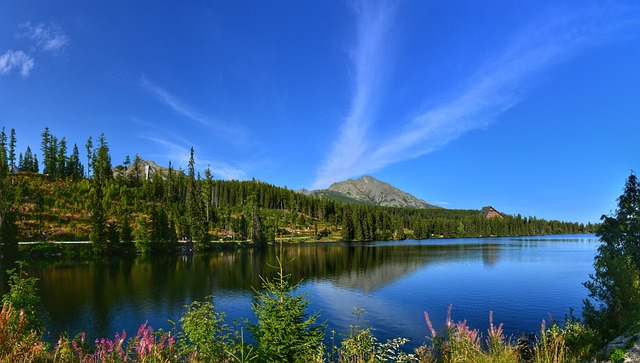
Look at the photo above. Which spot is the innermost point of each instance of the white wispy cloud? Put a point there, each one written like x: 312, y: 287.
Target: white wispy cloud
x: 234, y: 134
x: 47, y: 37
x: 16, y: 59
x: 497, y: 86
x: 369, y: 64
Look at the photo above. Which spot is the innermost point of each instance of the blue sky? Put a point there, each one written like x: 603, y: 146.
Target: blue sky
x: 531, y: 107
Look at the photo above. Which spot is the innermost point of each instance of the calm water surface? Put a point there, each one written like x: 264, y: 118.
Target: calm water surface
x: 522, y: 280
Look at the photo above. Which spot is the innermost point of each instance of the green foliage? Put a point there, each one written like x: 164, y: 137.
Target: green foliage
x: 617, y: 355
x: 8, y: 226
x: 361, y: 346
x: 101, y: 161
x: 283, y: 331
x: 98, y: 235
x: 198, y: 227
x: 163, y: 235
x: 126, y: 233
x: 24, y: 299
x: 142, y: 234
x: 580, y: 340
x: 59, y: 206
x: 614, y: 292
x: 204, y: 336
x: 18, y: 342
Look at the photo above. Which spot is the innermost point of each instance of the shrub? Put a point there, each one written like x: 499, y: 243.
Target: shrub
x: 617, y: 355
x: 18, y: 343
x: 361, y: 346
x: 581, y: 341
x: 23, y: 298
x: 551, y: 347
x: 284, y: 332
x: 204, y: 336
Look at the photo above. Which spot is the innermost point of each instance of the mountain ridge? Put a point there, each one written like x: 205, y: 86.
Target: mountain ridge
x: 365, y: 190
x: 371, y: 191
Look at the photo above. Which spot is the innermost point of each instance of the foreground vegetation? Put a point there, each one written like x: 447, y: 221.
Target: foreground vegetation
x: 283, y: 332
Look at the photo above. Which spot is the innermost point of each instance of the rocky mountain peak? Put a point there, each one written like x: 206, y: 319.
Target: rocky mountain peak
x: 369, y: 190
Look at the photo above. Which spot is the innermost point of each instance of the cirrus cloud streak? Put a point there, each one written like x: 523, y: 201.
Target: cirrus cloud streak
x: 498, y: 84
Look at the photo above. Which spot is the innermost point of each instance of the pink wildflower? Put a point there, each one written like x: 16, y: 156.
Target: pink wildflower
x: 433, y: 331
x: 449, y: 322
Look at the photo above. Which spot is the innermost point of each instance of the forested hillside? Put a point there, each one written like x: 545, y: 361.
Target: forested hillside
x: 69, y: 197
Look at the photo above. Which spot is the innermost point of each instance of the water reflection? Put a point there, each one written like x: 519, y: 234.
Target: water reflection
x: 102, y: 297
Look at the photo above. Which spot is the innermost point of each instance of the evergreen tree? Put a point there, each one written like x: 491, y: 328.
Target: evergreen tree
x: 137, y: 171
x: 44, y: 148
x: 113, y: 236
x: 75, y: 168
x: 89, y: 148
x: 142, y: 235
x: 4, y: 164
x: 12, y: 148
x: 101, y: 161
x: 257, y: 232
x: 8, y: 226
x: 35, y: 167
x: 614, y: 303
x: 348, y: 231
x: 21, y: 162
x: 61, y: 159
x: 198, y: 228
x: 98, y: 235
x: 283, y: 331
x: 126, y: 233
x: 400, y: 235
x: 208, y: 193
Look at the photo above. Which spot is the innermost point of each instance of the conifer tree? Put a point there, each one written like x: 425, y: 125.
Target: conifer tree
x: 4, y: 165
x: 98, y: 235
x: 8, y: 226
x: 198, y: 228
x: 12, y: 148
x: 61, y: 159
x: 348, y: 231
x: 283, y: 331
x: 126, y: 233
x: 614, y: 303
x: 89, y: 148
x: 102, y: 173
x: 101, y: 161
x: 75, y: 169
x: 35, y: 167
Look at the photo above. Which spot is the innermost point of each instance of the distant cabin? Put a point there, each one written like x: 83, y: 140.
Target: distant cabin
x: 489, y: 212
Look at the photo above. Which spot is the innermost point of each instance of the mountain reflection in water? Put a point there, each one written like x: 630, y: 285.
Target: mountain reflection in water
x: 523, y: 280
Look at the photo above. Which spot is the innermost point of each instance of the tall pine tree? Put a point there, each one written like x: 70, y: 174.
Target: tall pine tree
x: 198, y: 227
x: 8, y: 226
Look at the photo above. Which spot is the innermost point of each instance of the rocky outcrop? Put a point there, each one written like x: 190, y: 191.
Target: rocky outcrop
x: 629, y: 342
x: 369, y: 190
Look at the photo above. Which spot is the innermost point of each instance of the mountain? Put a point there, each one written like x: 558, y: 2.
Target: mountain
x: 369, y: 190
x: 365, y: 190
x: 143, y: 169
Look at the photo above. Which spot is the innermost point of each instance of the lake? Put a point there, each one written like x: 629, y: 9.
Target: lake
x: 523, y: 280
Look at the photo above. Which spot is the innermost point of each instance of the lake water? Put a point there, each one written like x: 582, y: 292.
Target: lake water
x: 522, y: 280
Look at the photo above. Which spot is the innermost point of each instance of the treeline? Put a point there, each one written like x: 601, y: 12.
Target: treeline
x: 121, y: 209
